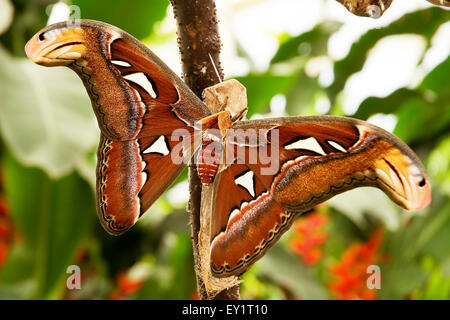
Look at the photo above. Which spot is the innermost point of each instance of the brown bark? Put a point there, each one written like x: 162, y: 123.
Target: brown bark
x: 366, y: 8
x: 199, y: 41
x: 445, y: 3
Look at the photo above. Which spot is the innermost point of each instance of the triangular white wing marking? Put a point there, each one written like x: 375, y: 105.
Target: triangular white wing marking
x: 141, y: 79
x: 246, y: 181
x: 121, y: 63
x: 310, y: 144
x: 158, y: 146
x: 336, y: 145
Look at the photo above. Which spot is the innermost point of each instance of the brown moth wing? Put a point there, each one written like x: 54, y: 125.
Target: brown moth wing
x: 235, y: 196
x: 118, y: 203
x: 239, y: 221
x: 131, y: 175
x: 140, y: 105
x: 170, y: 105
x: 133, y: 93
x: 318, y: 157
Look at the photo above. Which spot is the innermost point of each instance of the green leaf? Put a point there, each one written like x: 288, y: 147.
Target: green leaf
x: 173, y: 275
x: 399, y: 280
x: 357, y: 203
x: 420, y: 233
x: 438, y: 165
x: 437, y: 79
x: 137, y: 17
x: 45, y: 115
x: 262, y: 87
x: 311, y: 43
x: 423, y: 22
x: 52, y: 221
x: 389, y: 104
x: 182, y: 263
x: 258, y: 287
x: 437, y: 288
x: 415, y: 115
x: 302, y: 96
x: 288, y: 271
x: 416, y: 109
x: 19, y: 269
x: 435, y: 236
x: 17, y: 291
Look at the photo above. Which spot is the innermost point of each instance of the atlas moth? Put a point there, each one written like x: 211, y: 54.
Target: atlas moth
x: 262, y: 173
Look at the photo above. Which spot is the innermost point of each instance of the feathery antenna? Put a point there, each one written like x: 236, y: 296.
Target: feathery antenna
x: 215, y: 68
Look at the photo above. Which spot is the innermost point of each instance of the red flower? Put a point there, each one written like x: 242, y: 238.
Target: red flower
x: 5, y: 231
x: 194, y: 296
x: 309, y: 236
x: 117, y: 295
x: 349, y: 281
x: 4, y: 209
x: 81, y: 255
x: 3, y: 253
x: 127, y: 284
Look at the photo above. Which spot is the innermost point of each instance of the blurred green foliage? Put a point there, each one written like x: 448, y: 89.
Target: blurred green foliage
x: 48, y: 138
x: 144, y: 14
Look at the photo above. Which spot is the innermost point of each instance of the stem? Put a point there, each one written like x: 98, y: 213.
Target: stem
x: 198, y: 40
x: 198, y: 37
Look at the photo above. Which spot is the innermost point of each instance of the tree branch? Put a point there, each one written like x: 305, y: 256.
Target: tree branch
x: 198, y: 40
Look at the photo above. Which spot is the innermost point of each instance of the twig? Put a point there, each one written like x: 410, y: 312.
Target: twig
x: 199, y: 42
